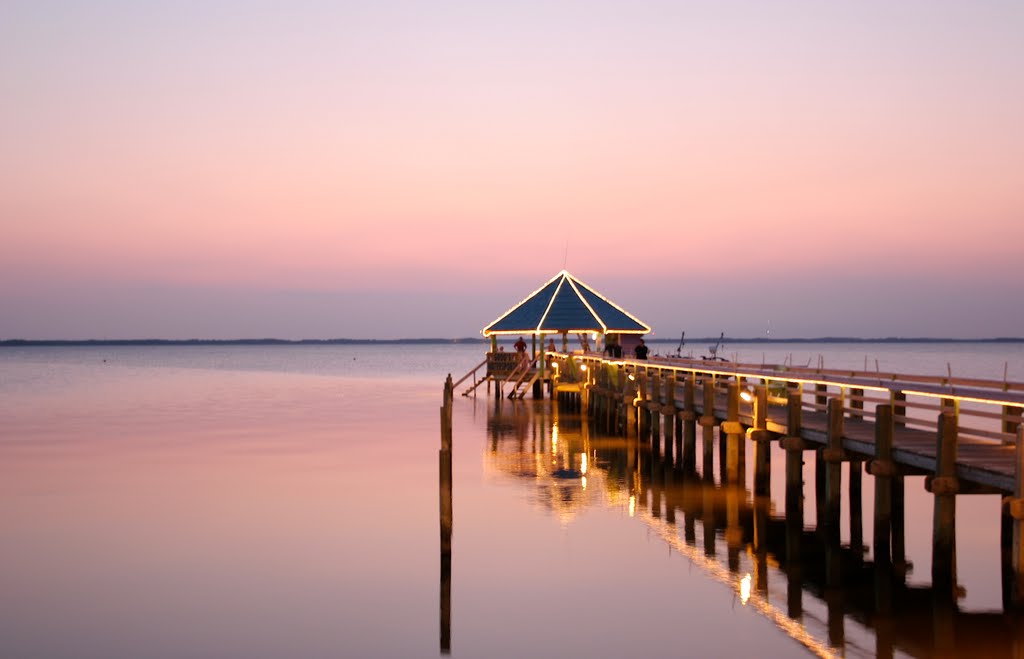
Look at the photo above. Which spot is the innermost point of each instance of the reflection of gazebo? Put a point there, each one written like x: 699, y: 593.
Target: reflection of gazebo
x: 551, y: 453
x: 565, y: 305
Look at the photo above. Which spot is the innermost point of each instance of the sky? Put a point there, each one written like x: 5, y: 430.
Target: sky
x: 397, y: 169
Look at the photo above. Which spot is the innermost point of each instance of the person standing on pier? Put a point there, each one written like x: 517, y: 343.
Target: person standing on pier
x: 520, y: 347
x: 640, y: 350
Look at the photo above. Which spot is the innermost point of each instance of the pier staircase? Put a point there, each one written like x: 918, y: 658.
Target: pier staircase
x: 501, y: 367
x: 477, y: 379
x: 522, y: 378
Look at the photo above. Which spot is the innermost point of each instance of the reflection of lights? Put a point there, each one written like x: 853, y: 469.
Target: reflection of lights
x: 584, y: 482
x: 793, y: 628
x: 554, y: 437
x: 583, y: 462
x: 745, y: 588
x: 632, y: 505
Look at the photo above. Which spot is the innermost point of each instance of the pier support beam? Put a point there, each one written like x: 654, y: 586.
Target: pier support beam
x: 794, y: 446
x: 883, y: 469
x: 629, y: 408
x: 642, y: 420
x: 668, y: 413
x: 944, y: 487
x: 856, y: 507
x: 833, y: 455
x: 762, y: 443
x: 1016, y: 509
x: 707, y: 423
x: 734, y: 436
x: 899, y: 525
x: 653, y: 407
x: 689, y: 420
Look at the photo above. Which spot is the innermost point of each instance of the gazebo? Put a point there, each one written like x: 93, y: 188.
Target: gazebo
x: 565, y: 305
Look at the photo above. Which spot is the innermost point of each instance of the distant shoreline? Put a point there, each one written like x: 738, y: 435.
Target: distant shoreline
x: 14, y: 343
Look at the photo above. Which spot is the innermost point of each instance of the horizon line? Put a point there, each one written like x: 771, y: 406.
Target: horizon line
x: 481, y: 340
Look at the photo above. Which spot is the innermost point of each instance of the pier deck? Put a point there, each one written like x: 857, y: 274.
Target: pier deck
x: 988, y: 413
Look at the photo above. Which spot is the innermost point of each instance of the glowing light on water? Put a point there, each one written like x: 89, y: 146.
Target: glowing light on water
x: 745, y: 588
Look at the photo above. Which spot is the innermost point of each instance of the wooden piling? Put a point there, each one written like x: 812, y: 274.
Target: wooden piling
x: 819, y: 489
x: 707, y: 423
x: 833, y: 456
x: 445, y: 464
x: 882, y: 469
x: 944, y: 487
x: 653, y: 406
x: 668, y: 413
x: 762, y: 445
x: 899, y: 527
x: 1017, y: 512
x: 733, y: 433
x: 642, y: 420
x: 689, y: 420
x: 629, y: 407
x: 446, y: 516
x: 856, y: 508
x: 794, y: 446
x: 447, y: 399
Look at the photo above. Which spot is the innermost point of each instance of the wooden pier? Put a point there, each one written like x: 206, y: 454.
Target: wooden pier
x: 963, y: 435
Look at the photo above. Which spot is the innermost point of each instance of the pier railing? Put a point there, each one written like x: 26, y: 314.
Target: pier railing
x: 964, y: 435
x: 985, y: 409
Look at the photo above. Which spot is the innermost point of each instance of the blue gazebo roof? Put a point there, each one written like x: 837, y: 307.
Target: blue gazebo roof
x: 565, y: 304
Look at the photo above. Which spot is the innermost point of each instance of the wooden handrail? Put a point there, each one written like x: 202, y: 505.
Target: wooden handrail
x: 872, y: 376
x: 471, y: 372
x: 926, y: 393
x: 527, y: 365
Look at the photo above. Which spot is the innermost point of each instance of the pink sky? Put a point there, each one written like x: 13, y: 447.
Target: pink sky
x: 236, y: 170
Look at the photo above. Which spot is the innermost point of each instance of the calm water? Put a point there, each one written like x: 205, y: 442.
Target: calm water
x: 282, y: 501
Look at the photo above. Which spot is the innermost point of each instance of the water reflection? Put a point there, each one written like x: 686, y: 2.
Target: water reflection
x: 550, y: 450
x: 824, y: 593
